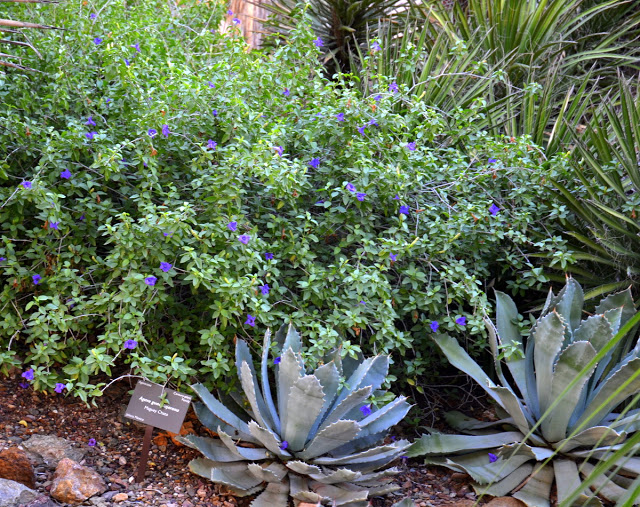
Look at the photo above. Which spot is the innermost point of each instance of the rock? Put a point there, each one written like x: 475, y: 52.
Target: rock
x: 13, y: 493
x: 42, y: 501
x: 15, y: 466
x: 120, y: 497
x: 74, y: 483
x: 505, y: 501
x: 49, y: 450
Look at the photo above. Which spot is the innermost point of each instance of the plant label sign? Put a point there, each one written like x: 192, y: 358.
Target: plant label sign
x: 158, y: 406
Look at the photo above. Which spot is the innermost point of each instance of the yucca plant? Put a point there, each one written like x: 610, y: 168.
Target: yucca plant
x: 556, y: 402
x: 316, y: 442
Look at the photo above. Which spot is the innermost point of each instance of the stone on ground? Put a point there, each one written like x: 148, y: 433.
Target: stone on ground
x: 49, y: 449
x: 13, y: 493
x: 74, y: 483
x: 15, y: 466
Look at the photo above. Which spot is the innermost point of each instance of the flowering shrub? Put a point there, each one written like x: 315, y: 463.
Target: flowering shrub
x: 154, y: 208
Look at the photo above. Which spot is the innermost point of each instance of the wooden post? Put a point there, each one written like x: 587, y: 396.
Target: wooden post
x: 249, y: 16
x: 144, y: 455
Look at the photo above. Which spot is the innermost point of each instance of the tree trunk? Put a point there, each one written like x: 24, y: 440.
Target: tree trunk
x: 249, y: 15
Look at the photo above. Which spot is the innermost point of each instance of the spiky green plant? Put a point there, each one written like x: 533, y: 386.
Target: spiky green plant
x: 556, y: 406
x: 316, y: 442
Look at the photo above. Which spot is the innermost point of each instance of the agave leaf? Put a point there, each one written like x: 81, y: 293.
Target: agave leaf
x: 274, y: 472
x: 359, y: 444
x: 337, y: 476
x: 219, y: 410
x: 250, y: 387
x: 384, y: 418
x: 300, y: 467
x: 629, y: 423
x: 371, y: 372
x: 269, y: 439
x: 606, y: 488
x: 216, y: 450
x: 304, y: 403
x: 234, y: 475
x: 381, y: 476
x: 363, y: 457
x: 247, y: 453
x: 382, y: 489
x: 355, y: 399
x: 340, y: 496
x: 595, y: 436
x: 288, y: 338
x: 537, y: 453
x: 440, y: 443
x: 507, y: 484
x: 329, y: 379
x: 481, y: 470
x: 509, y: 334
x: 611, y: 393
x: 569, y: 304
x: 535, y: 492
x: 210, y: 421
x: 512, y: 405
x: 299, y: 484
x: 548, y: 338
x: 568, y: 481
x: 622, y: 300
x: 596, y: 330
x: 329, y: 438
x: 275, y: 495
x: 571, y: 361
x: 462, y: 422
x: 266, y: 388
x: 288, y: 372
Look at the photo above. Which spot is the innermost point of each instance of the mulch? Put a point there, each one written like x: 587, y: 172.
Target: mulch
x: 168, y: 481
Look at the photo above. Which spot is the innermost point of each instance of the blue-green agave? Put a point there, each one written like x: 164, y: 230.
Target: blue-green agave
x: 316, y: 440
x: 536, y: 441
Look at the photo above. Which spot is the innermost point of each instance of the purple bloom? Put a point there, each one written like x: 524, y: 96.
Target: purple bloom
x: 404, y: 210
x: 318, y: 42
x: 366, y: 410
x: 90, y: 121
x: 97, y: 40
x: 81, y: 218
x: 211, y: 85
x: 361, y: 129
x: 230, y: 12
x: 319, y: 202
x: 165, y: 130
x: 127, y: 62
x: 411, y: 146
x: 268, y: 256
x: 350, y: 187
x: 66, y: 174
x: 26, y: 184
x: 462, y: 321
x: 136, y: 46
x: 377, y: 97
x: 494, y: 210
x: 277, y: 360
x: 279, y: 150
x: 393, y: 257
x: 492, y: 160
x: 54, y: 225
x: 91, y: 442
x: 36, y: 279
x: 375, y: 46
x: 340, y: 116
x: 212, y: 144
x: 286, y: 92
x: 251, y: 320
x: 492, y: 458
x: 244, y: 239
x: 24, y: 385
x: 360, y: 196
x: 284, y: 445
x: 362, y: 303
x: 434, y: 326
x: 396, y: 198
x: 59, y: 387
x: 2, y: 259
x: 152, y: 132
x: 233, y: 226
x: 373, y: 121
x: 89, y: 135
x: 165, y: 266
x: 150, y: 281
x: 130, y: 344
x: 29, y: 375
x: 393, y: 87
x: 265, y: 289
x: 108, y: 100
x: 315, y: 162
x: 235, y: 21
x: 93, y: 15
x: 214, y: 112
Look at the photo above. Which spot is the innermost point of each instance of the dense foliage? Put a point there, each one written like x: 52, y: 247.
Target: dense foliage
x: 164, y: 190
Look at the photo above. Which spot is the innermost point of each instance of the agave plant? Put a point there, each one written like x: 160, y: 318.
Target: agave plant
x: 556, y: 406
x: 316, y: 442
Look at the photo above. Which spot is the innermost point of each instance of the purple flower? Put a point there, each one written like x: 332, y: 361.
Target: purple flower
x: 393, y: 257
x: 279, y: 150
x: 461, y: 321
x: 230, y: 12
x: 396, y: 198
x: 233, y: 226
x: 90, y: 121
x: 366, y: 410
x: 97, y: 40
x: 127, y: 62
x: 315, y: 162
x: 36, y: 279
x: 360, y: 196
x: 214, y: 112
x: 165, y: 130
x: 268, y: 256
x: 492, y: 161
x: 492, y: 458
x: 91, y: 442
x: 244, y: 239
x: 377, y: 97
x: 211, y: 85
x: 340, y: 116
x: 286, y: 92
x: 434, y: 326
x: 54, y: 225
x: 29, y: 375
x: 235, y: 21
x: 277, y: 360
x: 165, y: 266
x: 108, y: 100
x: 130, y: 344
x: 59, y: 387
x: 265, y: 289
x: 251, y: 320
x: 411, y: 146
x: 393, y: 87
x: 318, y: 42
x: 404, y: 210
x: 361, y: 129
x: 81, y: 218
x: 26, y: 184
x: 2, y: 259
x: 152, y: 132
x: 212, y: 144
x: 350, y: 187
x: 375, y: 46
x: 24, y: 385
x: 89, y: 135
x: 136, y: 46
x: 150, y: 281
x: 373, y: 121
x: 66, y: 174
x: 93, y: 15
x: 494, y: 210
x: 284, y: 445
x: 362, y: 303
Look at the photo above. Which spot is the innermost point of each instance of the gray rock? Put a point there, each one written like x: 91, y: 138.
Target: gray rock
x: 50, y: 450
x: 42, y: 501
x: 13, y: 493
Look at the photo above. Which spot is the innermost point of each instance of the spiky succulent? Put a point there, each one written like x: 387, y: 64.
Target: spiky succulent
x: 316, y: 442
x: 552, y: 426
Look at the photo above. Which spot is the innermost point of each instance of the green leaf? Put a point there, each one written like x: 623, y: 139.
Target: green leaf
x: 304, y: 404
